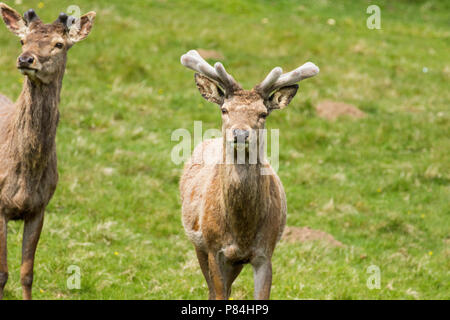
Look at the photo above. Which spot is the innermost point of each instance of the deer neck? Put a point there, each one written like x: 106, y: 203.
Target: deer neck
x: 241, y: 184
x: 243, y: 188
x: 34, y: 123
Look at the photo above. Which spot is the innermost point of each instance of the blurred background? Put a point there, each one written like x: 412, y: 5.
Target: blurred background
x: 364, y: 146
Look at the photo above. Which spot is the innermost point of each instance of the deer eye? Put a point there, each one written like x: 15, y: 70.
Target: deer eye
x: 59, y: 45
x: 224, y: 111
x: 22, y: 42
x: 263, y: 115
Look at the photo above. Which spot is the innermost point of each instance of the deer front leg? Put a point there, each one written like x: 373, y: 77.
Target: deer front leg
x: 3, y: 255
x: 202, y: 257
x: 222, y: 273
x: 217, y: 279
x: 31, y: 234
x: 232, y: 272
x: 262, y: 268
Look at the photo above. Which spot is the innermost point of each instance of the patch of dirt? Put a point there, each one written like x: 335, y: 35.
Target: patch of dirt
x: 210, y: 54
x: 305, y: 234
x: 332, y: 110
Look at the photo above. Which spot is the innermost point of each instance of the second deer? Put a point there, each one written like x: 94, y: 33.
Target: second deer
x: 28, y: 171
x: 232, y: 212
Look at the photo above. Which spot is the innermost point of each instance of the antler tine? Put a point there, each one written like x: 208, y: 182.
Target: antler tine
x: 232, y: 84
x: 276, y: 79
x: 30, y: 16
x: 66, y: 20
x: 269, y: 81
x: 63, y: 18
x: 193, y: 60
x: 306, y: 71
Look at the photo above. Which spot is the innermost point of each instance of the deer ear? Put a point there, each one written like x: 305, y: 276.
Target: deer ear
x: 13, y: 20
x: 81, y: 28
x: 281, y: 98
x: 209, y: 89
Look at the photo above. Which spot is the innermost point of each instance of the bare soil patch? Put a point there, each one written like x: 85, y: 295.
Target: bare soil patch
x: 210, y: 54
x: 305, y: 234
x: 332, y: 110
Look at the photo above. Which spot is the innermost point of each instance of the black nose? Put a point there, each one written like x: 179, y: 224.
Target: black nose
x: 26, y: 60
x: 240, y: 135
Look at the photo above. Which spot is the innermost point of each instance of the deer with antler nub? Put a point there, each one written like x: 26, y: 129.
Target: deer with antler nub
x: 28, y: 170
x: 234, y: 212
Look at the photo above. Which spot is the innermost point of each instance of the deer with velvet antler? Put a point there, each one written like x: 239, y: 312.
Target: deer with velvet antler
x: 234, y: 212
x: 28, y: 170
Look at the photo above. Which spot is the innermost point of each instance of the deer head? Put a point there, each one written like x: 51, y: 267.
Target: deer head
x: 244, y: 112
x: 45, y: 46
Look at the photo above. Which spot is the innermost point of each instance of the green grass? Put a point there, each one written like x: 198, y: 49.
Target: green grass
x: 116, y: 212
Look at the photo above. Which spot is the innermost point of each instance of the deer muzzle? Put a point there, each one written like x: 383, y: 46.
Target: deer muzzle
x: 241, y: 136
x: 26, y: 63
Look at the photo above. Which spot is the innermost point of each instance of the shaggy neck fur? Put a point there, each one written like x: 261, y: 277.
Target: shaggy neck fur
x: 32, y: 129
x: 243, y: 187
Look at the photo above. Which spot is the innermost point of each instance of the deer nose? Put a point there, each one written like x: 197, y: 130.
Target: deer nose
x: 240, y: 135
x: 26, y: 60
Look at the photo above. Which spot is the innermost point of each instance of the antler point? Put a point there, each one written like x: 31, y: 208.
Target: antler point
x: 193, y: 60
x: 218, y: 65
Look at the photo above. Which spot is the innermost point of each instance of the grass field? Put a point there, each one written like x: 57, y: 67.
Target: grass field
x: 116, y: 214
